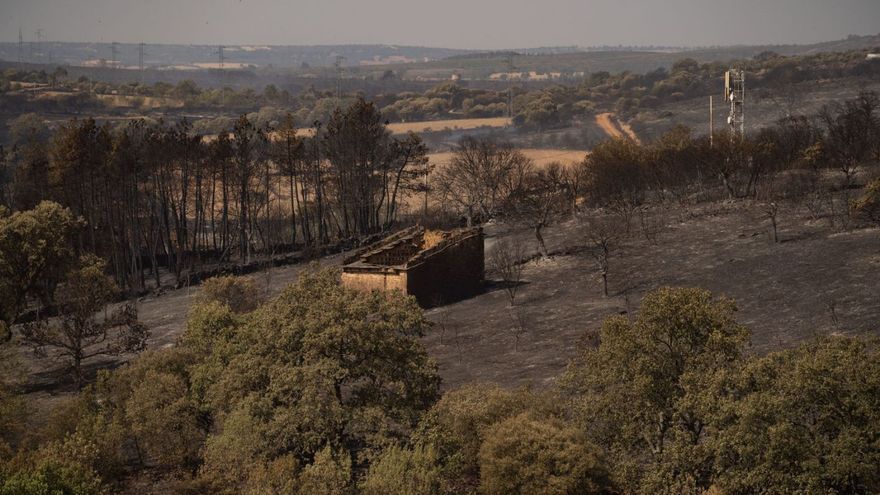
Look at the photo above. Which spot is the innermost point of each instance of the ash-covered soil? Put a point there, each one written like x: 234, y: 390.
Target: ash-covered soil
x: 815, y: 281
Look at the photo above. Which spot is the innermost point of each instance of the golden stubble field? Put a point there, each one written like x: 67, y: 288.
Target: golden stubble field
x: 541, y: 157
x: 427, y: 126
x: 413, y: 202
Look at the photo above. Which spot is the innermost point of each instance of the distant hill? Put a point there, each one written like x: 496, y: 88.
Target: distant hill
x: 480, y: 65
x: 206, y: 56
x: 422, y: 60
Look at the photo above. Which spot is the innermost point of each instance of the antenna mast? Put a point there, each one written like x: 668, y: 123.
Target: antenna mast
x: 20, y: 48
x: 220, y: 55
x: 735, y: 94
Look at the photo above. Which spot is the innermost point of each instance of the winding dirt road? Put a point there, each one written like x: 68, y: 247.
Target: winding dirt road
x: 615, y: 128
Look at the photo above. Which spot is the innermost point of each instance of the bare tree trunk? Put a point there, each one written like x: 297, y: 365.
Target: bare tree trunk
x: 542, y: 247
x: 292, y: 212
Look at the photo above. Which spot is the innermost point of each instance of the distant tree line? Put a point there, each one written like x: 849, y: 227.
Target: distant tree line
x: 159, y: 195
x: 771, y: 76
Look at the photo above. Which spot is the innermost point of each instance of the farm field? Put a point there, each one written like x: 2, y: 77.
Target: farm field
x: 451, y: 124
x: 541, y: 157
x: 428, y: 126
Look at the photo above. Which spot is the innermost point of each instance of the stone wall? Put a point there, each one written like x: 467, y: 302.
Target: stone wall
x: 454, y: 272
x: 448, y: 267
x: 384, y: 280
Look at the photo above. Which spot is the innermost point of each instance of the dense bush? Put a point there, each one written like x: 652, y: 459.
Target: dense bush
x: 325, y: 390
x: 241, y: 294
x: 524, y: 455
x: 629, y: 393
x: 36, y: 252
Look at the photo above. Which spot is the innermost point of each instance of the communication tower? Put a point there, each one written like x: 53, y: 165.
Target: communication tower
x: 735, y: 95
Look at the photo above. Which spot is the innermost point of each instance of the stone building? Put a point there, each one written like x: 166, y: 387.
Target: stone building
x: 435, y: 266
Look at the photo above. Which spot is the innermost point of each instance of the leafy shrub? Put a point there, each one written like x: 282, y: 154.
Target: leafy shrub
x: 524, y: 455
x: 404, y: 471
x: 239, y: 293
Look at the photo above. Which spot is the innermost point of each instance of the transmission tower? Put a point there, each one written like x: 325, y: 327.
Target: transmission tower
x: 114, y: 49
x: 735, y: 94
x: 220, y: 57
x: 510, y: 69
x: 36, y: 44
x: 20, y: 48
x: 141, y: 66
x: 339, y: 69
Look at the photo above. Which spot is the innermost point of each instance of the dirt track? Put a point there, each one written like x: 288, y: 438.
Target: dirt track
x: 614, y: 128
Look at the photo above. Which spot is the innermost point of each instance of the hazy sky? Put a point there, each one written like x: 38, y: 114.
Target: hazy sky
x: 478, y: 24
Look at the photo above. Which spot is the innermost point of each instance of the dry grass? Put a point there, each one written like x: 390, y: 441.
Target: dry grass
x: 614, y: 128
x: 141, y: 101
x: 541, y: 157
x: 432, y: 238
x: 435, y: 126
x: 123, y: 101
x: 453, y: 124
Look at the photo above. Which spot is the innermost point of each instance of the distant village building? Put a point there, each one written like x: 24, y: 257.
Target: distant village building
x: 873, y: 56
x: 529, y: 76
x: 436, y: 267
